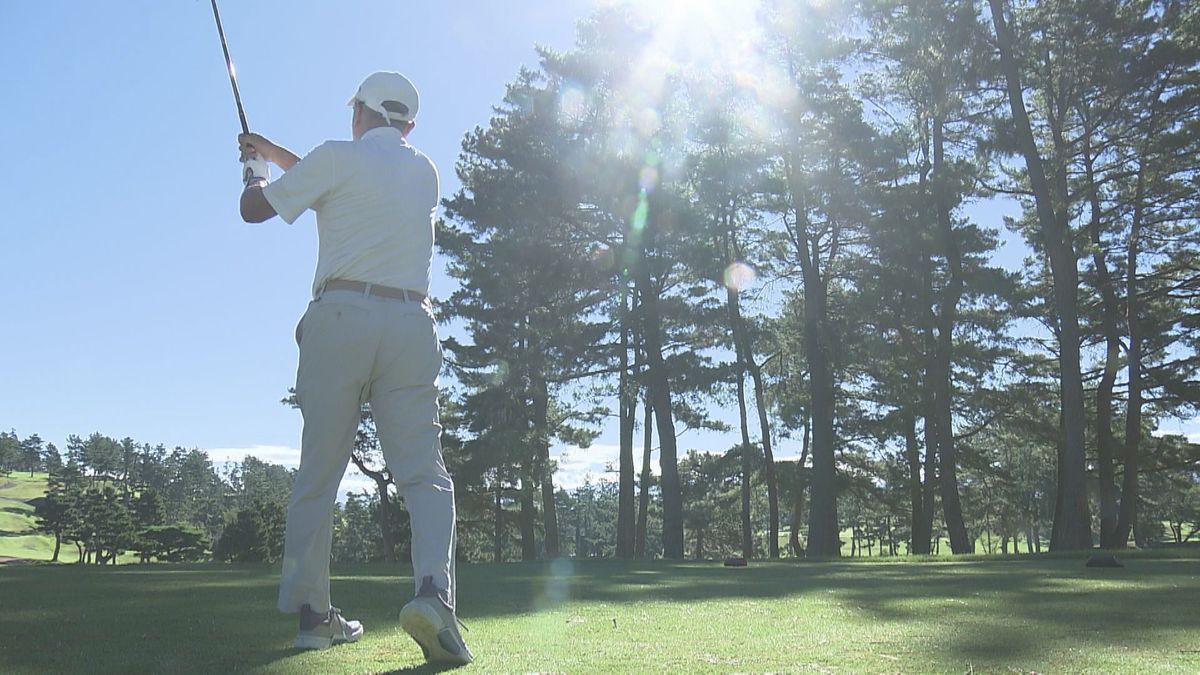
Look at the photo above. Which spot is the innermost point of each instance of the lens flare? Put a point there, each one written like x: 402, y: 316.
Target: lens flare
x: 739, y: 276
x: 557, y: 587
x: 641, y: 212
x: 648, y: 180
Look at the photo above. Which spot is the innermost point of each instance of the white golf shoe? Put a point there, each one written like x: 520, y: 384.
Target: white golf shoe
x: 430, y: 621
x: 322, y: 631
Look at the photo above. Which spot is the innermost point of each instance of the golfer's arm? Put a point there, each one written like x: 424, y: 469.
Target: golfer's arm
x: 255, y: 207
x: 283, y: 158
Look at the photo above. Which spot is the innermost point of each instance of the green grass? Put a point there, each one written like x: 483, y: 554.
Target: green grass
x: 32, y: 547
x: 878, y: 551
x: 15, y: 517
x: 1044, y: 614
x: 21, y: 487
x: 18, y: 527
x: 18, y: 538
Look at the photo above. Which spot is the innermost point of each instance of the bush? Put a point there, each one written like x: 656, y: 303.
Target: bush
x: 173, y: 543
x: 254, y: 534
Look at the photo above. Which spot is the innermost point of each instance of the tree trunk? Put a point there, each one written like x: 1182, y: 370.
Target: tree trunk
x: 541, y: 409
x: 823, y: 535
x: 529, y: 550
x: 944, y: 353
x: 744, y: 424
x: 794, y: 543
x: 498, y: 524
x: 921, y: 381
x: 742, y: 345
x: 1110, y: 310
x: 919, y: 544
x: 639, y: 550
x: 626, y: 527
x: 768, y: 460
x: 1127, y: 514
x: 579, y: 536
x: 660, y: 393
x: 382, y: 480
x: 1073, y: 528
x: 930, y: 488
x: 57, y: 546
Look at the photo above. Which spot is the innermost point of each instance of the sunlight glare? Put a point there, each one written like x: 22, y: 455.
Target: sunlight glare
x: 647, y: 122
x: 572, y: 104
x: 703, y: 34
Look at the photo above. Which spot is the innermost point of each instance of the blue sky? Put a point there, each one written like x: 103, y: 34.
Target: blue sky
x: 136, y: 302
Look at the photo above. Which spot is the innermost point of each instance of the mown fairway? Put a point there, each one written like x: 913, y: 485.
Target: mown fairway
x: 18, y: 539
x: 1044, y: 615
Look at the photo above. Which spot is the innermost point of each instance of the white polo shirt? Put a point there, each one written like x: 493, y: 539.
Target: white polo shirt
x: 375, y: 200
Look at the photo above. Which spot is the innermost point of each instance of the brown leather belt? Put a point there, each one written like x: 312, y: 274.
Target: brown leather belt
x: 373, y: 290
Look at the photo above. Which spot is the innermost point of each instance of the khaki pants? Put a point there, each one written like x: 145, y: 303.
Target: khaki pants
x: 353, y: 350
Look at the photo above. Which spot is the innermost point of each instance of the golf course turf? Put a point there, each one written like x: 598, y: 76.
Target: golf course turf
x: 1032, y: 614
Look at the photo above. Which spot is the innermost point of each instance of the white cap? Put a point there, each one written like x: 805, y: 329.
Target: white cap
x: 389, y: 94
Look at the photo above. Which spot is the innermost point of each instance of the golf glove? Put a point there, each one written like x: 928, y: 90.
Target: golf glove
x: 255, y: 171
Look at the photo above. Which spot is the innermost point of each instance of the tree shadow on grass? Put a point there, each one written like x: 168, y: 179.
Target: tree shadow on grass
x: 217, y: 618
x: 999, y: 613
x: 189, y: 619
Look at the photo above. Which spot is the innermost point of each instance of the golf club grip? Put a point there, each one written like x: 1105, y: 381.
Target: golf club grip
x: 237, y: 97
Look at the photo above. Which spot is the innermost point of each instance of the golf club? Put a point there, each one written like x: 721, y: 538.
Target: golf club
x: 237, y: 97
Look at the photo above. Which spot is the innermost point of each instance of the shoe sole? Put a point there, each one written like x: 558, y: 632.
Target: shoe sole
x: 312, y: 642
x: 421, y: 624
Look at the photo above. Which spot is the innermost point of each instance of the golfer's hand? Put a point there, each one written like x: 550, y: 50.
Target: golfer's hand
x: 252, y: 145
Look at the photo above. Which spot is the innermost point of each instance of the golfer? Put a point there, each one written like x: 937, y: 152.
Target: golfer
x: 368, y: 336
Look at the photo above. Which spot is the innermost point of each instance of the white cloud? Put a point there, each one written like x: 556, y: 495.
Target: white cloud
x: 594, y: 463
x: 575, y: 465
x: 272, y: 454
x: 354, y: 482
x: 1189, y: 429
x: 599, y: 461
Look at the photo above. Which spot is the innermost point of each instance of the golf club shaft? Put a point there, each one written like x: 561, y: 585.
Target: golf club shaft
x: 237, y: 97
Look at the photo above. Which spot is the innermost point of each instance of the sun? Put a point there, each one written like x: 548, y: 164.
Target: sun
x: 717, y: 44
x: 706, y: 35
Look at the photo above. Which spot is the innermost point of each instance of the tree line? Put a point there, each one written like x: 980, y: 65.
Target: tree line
x: 791, y: 235
x: 796, y: 237
x: 108, y: 497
